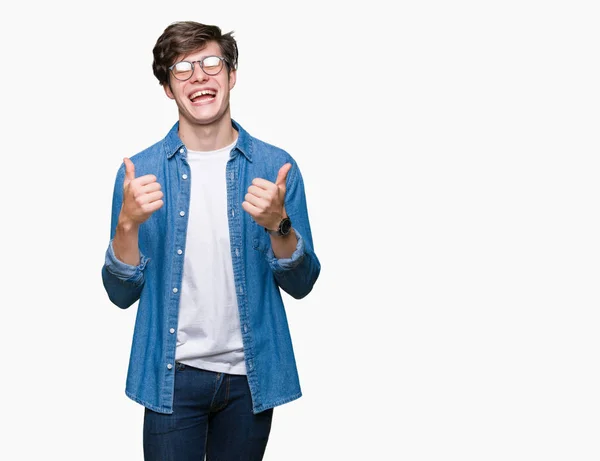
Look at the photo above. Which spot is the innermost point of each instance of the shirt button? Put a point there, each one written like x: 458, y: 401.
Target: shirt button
x: 237, y: 252
x: 241, y: 291
x: 245, y: 328
x: 175, y: 290
x: 181, y: 150
x: 172, y: 330
x: 184, y: 176
x: 169, y: 366
x: 231, y: 175
x: 182, y: 213
x: 179, y: 252
x: 232, y: 213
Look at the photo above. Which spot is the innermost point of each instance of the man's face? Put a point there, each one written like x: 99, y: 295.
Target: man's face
x: 202, y: 99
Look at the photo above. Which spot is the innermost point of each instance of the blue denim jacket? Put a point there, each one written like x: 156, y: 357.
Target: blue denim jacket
x: 258, y: 274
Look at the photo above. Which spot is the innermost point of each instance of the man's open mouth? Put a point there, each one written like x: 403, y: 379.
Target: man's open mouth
x: 203, y: 95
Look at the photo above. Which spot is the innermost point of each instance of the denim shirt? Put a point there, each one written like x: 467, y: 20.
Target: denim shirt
x: 258, y: 274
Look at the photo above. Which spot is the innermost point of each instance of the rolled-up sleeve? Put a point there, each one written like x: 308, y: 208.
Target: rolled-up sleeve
x: 125, y: 272
x: 280, y: 265
x: 123, y: 282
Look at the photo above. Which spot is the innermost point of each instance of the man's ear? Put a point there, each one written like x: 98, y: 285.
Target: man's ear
x: 168, y: 92
x: 232, y: 79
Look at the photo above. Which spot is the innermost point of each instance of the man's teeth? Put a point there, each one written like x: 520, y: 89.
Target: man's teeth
x: 202, y: 93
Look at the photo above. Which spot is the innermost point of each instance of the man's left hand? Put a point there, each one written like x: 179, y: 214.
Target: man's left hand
x: 265, y: 201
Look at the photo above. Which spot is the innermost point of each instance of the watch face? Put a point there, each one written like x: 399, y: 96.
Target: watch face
x: 285, y: 226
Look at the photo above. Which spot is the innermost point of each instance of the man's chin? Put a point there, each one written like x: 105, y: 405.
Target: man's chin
x: 204, y: 120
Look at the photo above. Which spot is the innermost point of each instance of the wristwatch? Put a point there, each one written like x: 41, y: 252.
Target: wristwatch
x: 285, y: 226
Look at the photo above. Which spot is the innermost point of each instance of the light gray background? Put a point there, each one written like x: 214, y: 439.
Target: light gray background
x: 450, y: 154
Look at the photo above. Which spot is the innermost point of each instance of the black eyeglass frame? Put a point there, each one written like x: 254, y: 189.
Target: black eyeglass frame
x: 200, y: 62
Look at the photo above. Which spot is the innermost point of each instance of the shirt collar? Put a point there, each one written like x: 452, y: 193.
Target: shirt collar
x: 173, y: 144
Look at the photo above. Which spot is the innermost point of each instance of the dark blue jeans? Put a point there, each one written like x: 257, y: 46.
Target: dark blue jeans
x: 212, y: 415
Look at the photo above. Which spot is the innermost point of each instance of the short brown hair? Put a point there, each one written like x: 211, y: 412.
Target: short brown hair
x: 184, y: 37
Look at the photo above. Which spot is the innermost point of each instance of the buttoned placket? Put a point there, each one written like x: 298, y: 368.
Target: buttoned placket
x: 233, y: 185
x: 182, y: 205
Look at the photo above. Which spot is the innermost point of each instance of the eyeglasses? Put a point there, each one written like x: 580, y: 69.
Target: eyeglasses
x: 210, y: 65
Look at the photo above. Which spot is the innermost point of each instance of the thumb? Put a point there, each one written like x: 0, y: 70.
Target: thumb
x: 282, y: 175
x: 129, y: 169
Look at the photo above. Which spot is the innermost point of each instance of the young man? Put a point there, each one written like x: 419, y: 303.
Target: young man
x: 207, y: 226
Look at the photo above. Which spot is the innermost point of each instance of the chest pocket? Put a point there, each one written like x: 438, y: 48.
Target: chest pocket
x: 260, y: 238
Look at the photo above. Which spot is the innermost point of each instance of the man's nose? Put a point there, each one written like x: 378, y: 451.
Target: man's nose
x: 198, y: 74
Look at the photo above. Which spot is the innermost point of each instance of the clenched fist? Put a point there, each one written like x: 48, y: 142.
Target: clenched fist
x: 141, y: 196
x: 265, y: 200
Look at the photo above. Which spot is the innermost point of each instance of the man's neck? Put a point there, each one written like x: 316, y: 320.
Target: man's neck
x: 210, y: 137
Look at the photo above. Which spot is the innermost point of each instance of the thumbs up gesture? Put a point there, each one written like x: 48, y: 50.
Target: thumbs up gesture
x: 265, y: 200
x: 141, y: 196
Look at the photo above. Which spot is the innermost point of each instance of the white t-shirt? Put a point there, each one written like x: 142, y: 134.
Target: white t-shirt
x: 208, y: 334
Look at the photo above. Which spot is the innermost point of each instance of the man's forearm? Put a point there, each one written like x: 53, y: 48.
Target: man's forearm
x: 284, y: 246
x: 125, y: 243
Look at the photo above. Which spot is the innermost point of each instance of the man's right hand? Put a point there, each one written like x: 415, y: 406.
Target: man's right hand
x: 141, y: 196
